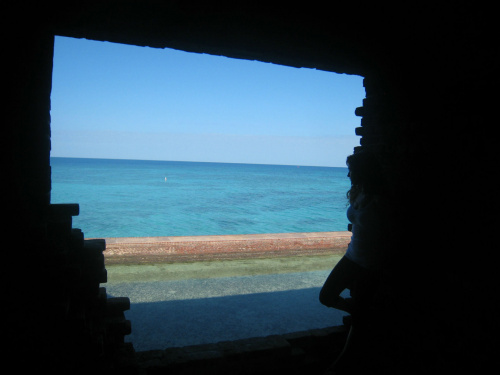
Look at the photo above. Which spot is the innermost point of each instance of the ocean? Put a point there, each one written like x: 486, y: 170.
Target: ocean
x: 141, y: 198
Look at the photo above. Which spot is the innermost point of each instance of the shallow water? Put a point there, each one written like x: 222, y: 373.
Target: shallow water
x: 137, y: 198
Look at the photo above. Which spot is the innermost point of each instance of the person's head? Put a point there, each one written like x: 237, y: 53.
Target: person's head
x: 366, y: 174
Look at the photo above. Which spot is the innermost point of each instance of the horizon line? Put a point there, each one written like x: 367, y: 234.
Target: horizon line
x: 192, y: 161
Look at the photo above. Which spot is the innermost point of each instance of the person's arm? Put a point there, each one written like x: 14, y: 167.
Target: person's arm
x: 341, y: 303
x: 342, y: 276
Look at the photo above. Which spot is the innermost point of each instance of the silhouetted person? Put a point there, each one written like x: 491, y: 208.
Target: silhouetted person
x: 359, y: 269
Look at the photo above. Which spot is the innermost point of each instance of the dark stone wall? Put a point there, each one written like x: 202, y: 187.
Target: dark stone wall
x: 430, y: 131
x: 27, y: 140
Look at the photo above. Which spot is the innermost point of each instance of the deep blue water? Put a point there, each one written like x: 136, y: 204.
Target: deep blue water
x: 132, y: 198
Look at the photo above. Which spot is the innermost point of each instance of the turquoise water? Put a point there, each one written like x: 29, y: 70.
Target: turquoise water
x: 136, y: 198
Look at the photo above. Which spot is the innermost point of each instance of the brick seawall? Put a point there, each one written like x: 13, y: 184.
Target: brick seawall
x: 143, y: 250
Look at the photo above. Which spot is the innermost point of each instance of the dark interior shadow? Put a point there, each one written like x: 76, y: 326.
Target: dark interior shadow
x: 163, y: 324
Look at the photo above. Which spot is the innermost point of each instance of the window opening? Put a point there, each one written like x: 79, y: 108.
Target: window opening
x: 163, y: 143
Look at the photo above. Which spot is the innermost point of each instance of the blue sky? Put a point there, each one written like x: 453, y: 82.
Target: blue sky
x: 126, y: 102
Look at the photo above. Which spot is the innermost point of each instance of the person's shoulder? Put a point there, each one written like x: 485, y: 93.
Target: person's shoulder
x: 364, y: 201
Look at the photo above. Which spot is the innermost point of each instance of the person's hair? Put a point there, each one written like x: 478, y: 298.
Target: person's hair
x: 366, y: 175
